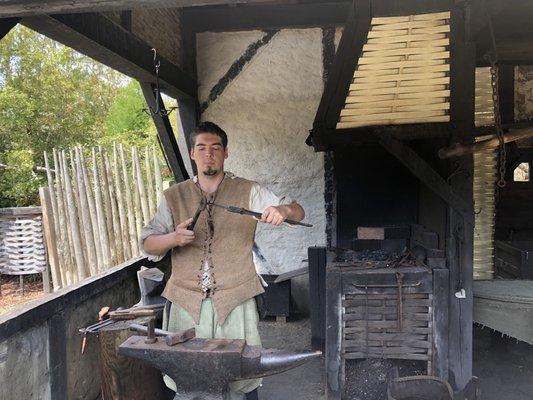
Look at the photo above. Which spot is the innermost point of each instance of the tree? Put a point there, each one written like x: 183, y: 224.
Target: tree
x: 53, y: 97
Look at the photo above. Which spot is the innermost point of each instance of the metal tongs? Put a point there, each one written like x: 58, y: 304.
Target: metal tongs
x: 244, y: 211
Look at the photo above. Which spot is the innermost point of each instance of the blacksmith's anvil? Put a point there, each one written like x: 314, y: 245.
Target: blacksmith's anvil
x: 203, y: 368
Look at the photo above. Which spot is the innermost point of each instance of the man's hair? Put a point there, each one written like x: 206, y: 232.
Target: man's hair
x: 209, y: 127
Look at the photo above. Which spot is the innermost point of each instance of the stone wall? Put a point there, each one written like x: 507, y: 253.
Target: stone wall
x: 263, y: 89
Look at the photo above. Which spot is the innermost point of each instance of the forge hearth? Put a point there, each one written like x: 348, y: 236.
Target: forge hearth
x: 386, y: 312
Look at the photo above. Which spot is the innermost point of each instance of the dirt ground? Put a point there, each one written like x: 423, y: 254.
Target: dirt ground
x: 11, y: 296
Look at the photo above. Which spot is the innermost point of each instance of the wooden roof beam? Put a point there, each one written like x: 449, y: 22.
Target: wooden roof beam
x: 24, y: 8
x: 6, y: 25
x: 100, y: 38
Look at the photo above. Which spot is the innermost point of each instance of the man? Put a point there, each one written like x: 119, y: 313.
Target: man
x: 213, y: 281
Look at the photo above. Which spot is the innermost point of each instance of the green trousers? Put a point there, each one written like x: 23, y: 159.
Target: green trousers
x: 241, y: 323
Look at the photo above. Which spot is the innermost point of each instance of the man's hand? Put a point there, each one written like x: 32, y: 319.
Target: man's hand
x: 274, y: 215
x: 183, y: 236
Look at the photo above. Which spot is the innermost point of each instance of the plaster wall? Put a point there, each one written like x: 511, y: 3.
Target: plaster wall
x: 267, y: 111
x: 24, y: 365
x: 524, y: 92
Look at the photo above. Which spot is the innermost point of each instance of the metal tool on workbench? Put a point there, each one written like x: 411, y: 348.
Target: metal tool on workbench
x: 171, y: 338
x: 203, y: 368
x: 244, y: 211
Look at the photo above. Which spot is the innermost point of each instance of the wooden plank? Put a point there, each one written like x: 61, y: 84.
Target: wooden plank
x: 442, y: 94
x: 413, y: 39
x: 397, y: 121
x: 358, y: 355
x: 98, y: 37
x: 391, y: 346
x: 411, y: 108
x: 408, y: 25
x: 415, y: 115
x: 398, y: 103
x: 367, y: 315
x: 408, y: 330
x: 440, y: 322
x: 405, y: 45
x: 404, y: 51
x: 419, y: 17
x: 387, y: 309
x: 386, y: 336
x: 398, y: 89
x: 401, y: 64
x: 387, y: 296
x: 375, y: 59
x: 427, y: 175
x: 406, y: 71
x: 418, y: 31
x: 387, y: 324
x: 335, y: 374
x: 362, y: 301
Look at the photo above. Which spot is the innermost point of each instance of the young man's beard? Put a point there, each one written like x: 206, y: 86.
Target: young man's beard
x: 210, y: 171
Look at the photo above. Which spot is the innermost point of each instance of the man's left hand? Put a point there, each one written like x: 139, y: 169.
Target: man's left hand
x: 273, y: 216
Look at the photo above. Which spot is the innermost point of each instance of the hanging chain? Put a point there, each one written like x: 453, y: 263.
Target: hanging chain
x: 494, y: 76
x: 495, y: 82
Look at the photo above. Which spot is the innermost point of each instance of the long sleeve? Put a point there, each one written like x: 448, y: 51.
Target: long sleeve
x: 161, y: 224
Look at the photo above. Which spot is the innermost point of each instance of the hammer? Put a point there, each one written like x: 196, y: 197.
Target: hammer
x: 171, y: 338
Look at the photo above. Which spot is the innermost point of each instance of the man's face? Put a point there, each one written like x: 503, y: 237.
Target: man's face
x: 209, y: 154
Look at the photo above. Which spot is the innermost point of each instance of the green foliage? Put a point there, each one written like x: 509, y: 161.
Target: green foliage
x: 126, y: 122
x: 53, y: 97
x: 19, y: 186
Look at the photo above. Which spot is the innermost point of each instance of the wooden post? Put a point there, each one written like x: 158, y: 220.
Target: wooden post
x: 102, y: 227
x: 140, y: 186
x: 88, y: 233
x: 117, y: 232
x: 136, y: 195
x: 334, y: 362
x: 50, y: 239
x: 158, y: 179
x: 64, y: 249
x: 55, y: 220
x: 73, y: 275
x: 73, y: 222
x: 459, y: 234
x: 123, y: 218
x: 92, y: 214
x: 149, y: 182
x: 106, y: 197
x: 129, y: 205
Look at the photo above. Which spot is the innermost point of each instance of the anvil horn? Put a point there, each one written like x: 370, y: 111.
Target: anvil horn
x: 272, y: 362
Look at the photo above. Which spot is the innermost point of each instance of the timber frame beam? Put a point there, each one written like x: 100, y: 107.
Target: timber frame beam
x: 17, y: 8
x: 6, y: 24
x: 267, y: 16
x: 165, y: 133
x: 98, y: 37
x: 341, y: 73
